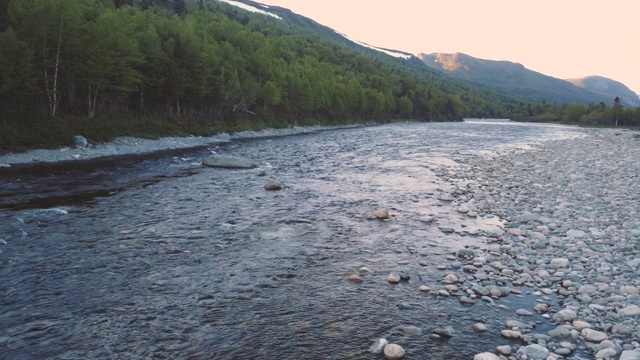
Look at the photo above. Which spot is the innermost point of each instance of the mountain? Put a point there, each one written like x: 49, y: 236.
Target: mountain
x: 608, y: 88
x: 515, y: 79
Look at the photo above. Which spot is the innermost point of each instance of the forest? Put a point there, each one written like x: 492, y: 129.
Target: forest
x: 577, y: 114
x: 106, y: 68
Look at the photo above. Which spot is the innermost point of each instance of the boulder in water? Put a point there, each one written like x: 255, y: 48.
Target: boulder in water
x: 273, y: 186
x: 229, y: 162
x: 80, y: 142
x: 379, y: 214
x: 393, y: 352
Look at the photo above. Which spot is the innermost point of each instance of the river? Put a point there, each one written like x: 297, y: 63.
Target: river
x: 159, y: 257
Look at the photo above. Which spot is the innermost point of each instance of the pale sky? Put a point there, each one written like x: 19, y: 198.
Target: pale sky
x: 560, y: 38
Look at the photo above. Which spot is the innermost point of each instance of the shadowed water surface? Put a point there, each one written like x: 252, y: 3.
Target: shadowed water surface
x: 162, y: 258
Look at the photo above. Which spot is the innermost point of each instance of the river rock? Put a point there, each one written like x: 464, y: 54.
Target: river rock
x: 393, y: 352
x: 479, y: 327
x: 393, y: 278
x: 560, y: 262
x: 511, y: 334
x: 534, y: 352
x: 565, y: 315
x: 629, y: 290
x: 581, y: 325
x: 630, y: 355
x: 355, y: 278
x: 444, y: 332
x: 466, y: 253
x: 380, y: 214
x: 273, y: 186
x: 80, y: 142
x: 450, y: 278
x: 229, y: 162
x: 631, y: 310
x: 377, y: 346
x: 606, y: 353
x: 504, y: 349
x: 411, y: 330
x: 486, y: 356
x: 593, y: 335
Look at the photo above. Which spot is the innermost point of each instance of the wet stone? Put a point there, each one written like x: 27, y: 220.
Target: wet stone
x: 393, y: 278
x: 273, y: 186
x: 393, y: 352
x: 378, y: 346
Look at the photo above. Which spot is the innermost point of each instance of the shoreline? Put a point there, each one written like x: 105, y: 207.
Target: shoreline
x: 571, y: 212
x: 131, y: 146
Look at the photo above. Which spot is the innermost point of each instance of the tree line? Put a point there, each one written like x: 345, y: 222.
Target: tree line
x: 590, y: 115
x: 207, y: 63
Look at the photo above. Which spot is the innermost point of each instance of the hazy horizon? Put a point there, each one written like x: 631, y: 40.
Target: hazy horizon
x: 564, y: 39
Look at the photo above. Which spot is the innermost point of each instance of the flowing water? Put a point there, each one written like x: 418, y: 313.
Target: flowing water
x: 159, y: 257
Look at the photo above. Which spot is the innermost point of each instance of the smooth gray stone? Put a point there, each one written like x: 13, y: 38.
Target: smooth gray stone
x: 230, y: 162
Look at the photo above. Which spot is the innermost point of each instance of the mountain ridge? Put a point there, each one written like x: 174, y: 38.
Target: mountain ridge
x: 515, y: 78
x: 607, y: 86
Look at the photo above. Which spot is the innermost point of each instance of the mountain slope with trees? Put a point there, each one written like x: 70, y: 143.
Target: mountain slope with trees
x: 106, y: 68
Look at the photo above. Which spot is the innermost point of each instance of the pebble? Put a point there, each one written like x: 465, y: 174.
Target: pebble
x: 479, y: 327
x: 504, y: 349
x: 393, y: 278
x: 273, y: 186
x: 380, y: 214
x: 565, y: 315
x: 393, y: 352
x: 630, y: 355
x: 486, y: 356
x: 534, y: 352
x: 378, y: 345
x: 593, y: 335
x: 606, y: 353
x: 631, y: 310
x: 511, y: 334
x: 523, y: 312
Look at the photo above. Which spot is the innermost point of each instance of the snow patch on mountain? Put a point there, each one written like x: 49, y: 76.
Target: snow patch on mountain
x: 388, y: 52
x: 250, y: 8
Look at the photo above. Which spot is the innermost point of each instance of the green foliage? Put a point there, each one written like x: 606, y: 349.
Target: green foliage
x: 105, y: 68
x: 592, y: 115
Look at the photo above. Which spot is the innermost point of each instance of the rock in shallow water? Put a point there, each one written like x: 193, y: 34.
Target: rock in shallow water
x: 393, y: 352
x: 273, y: 186
x: 377, y: 346
x: 380, y: 214
x: 229, y: 162
x: 534, y: 352
x: 486, y: 356
x: 393, y: 278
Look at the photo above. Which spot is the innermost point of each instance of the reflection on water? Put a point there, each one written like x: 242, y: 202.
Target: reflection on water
x: 163, y: 258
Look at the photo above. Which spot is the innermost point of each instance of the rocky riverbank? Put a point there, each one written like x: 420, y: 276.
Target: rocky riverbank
x: 572, y: 239
x: 137, y: 146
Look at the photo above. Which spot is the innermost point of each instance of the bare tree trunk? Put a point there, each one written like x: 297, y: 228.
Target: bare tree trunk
x: 92, y: 101
x: 52, y: 93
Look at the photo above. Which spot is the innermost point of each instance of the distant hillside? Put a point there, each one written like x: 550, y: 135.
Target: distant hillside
x: 514, y: 79
x: 608, y: 88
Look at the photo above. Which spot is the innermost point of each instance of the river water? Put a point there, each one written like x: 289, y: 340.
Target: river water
x: 159, y: 257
